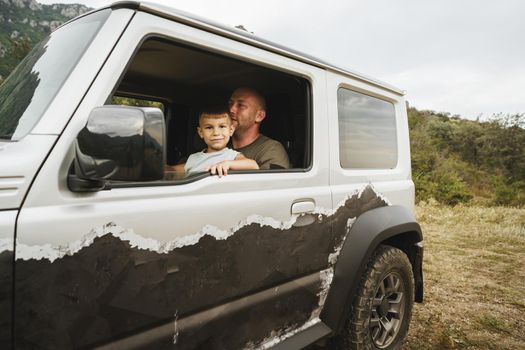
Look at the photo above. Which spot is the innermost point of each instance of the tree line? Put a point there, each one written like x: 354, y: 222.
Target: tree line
x: 463, y: 161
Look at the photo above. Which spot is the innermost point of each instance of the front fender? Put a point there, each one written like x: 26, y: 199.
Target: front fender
x: 371, y: 228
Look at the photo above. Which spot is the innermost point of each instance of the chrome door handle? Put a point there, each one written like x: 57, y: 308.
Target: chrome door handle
x: 303, y: 207
x: 303, y: 210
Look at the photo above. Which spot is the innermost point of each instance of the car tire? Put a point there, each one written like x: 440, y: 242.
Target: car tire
x: 382, y: 307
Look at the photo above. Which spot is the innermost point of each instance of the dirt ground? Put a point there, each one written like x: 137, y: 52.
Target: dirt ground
x: 474, y: 270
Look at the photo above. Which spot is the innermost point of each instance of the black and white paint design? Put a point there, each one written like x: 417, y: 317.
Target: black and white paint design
x: 6, y: 286
x: 114, y: 283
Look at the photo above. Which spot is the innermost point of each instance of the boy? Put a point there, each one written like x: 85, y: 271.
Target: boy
x: 215, y: 128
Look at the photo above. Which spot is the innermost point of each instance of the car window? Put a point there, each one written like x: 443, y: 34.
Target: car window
x: 367, y: 131
x: 188, y: 78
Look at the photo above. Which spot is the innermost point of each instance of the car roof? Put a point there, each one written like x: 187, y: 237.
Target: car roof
x: 245, y: 37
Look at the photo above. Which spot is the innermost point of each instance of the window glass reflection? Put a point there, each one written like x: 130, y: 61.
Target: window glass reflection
x: 367, y: 131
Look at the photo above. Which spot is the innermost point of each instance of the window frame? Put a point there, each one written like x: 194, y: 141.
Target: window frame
x: 308, y: 110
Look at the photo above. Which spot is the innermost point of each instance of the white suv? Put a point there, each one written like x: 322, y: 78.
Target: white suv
x: 99, y: 248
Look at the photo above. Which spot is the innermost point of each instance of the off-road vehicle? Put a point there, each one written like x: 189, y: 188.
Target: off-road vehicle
x: 100, y: 248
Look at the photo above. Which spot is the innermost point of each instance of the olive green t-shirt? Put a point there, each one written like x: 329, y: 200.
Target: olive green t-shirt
x: 268, y: 153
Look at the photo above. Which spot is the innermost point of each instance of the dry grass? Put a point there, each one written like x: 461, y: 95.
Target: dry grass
x: 474, y: 270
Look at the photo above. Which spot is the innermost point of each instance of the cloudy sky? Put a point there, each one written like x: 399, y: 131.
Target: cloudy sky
x: 464, y: 57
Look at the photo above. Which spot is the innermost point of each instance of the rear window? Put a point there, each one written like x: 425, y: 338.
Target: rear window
x: 367, y: 131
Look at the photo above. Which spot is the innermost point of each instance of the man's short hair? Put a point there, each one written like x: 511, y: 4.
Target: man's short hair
x: 258, y: 96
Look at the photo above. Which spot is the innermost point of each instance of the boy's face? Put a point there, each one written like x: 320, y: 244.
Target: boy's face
x: 215, y: 131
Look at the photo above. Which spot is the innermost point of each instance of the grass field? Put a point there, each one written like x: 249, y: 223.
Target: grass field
x: 474, y: 270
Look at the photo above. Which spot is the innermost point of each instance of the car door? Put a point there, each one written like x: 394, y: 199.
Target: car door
x: 212, y: 263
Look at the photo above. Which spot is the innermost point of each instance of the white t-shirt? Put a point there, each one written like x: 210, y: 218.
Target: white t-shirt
x: 200, y: 161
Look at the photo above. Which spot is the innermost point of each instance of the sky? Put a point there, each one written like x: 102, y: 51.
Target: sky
x: 463, y: 57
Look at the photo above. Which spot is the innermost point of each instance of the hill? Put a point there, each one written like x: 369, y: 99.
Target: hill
x: 23, y: 23
x: 463, y: 161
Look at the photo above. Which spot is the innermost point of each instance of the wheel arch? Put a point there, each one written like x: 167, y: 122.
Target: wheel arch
x: 390, y: 225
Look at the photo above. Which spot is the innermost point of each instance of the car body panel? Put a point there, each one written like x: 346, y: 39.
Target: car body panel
x: 20, y: 162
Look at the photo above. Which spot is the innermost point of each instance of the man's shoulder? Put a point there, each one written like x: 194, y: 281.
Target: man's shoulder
x: 275, y: 154
x: 266, y: 152
x: 268, y: 142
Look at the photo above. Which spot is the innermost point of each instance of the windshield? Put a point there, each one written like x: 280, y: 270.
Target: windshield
x: 31, y: 87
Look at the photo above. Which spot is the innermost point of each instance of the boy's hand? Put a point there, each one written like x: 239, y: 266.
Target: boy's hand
x: 221, y: 168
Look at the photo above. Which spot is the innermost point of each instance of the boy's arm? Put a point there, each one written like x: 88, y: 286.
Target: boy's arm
x: 239, y: 163
x: 243, y: 163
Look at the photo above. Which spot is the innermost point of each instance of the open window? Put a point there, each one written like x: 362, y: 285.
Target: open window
x: 184, y: 78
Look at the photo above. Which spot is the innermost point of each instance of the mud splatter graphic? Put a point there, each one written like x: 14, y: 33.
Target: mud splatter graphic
x: 113, y: 287
x: 6, y: 286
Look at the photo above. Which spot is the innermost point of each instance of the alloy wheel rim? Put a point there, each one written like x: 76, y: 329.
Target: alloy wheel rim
x: 388, y: 309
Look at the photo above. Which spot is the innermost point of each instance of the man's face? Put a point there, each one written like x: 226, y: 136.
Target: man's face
x: 245, y: 110
x: 215, y: 131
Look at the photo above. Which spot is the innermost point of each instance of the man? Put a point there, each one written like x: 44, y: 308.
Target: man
x: 247, y: 111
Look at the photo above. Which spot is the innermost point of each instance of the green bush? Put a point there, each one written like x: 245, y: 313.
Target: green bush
x: 445, y: 183
x: 452, y: 190
x: 463, y: 161
x: 510, y: 194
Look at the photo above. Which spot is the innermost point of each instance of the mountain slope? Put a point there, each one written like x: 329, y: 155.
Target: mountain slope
x: 23, y: 23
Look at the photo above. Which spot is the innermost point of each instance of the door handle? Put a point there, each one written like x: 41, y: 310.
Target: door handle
x: 303, y: 210
x: 303, y: 207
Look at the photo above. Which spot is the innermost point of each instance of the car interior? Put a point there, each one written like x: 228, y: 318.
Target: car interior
x: 184, y: 78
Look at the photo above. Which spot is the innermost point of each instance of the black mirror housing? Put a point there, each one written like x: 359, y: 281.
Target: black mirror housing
x: 121, y: 143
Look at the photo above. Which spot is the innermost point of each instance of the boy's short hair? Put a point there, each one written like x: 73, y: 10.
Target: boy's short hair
x: 214, y: 111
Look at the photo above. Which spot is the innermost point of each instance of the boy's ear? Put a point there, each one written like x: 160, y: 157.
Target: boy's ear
x: 199, y: 131
x: 232, y: 130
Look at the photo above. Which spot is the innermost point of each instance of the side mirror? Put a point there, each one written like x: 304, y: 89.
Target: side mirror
x: 119, y: 143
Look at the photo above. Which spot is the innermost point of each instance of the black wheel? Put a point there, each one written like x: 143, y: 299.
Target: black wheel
x: 382, y: 307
